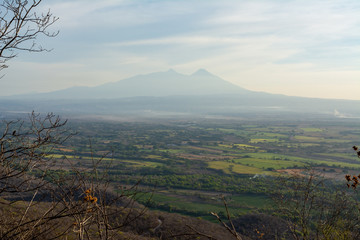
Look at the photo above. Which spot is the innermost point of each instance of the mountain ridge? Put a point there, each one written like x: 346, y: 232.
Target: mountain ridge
x: 170, y: 92
x: 156, y: 84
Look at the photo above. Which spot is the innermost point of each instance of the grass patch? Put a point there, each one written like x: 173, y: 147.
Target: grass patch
x: 244, y: 146
x: 237, y: 146
x: 308, y: 139
x: 157, y: 157
x: 237, y: 204
x: 268, y: 163
x: 263, y: 140
x: 340, y: 155
x: 134, y: 163
x: 229, y: 167
x: 311, y: 129
x: 252, y: 200
x: 271, y: 135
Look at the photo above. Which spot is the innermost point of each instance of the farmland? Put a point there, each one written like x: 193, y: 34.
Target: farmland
x: 187, y: 165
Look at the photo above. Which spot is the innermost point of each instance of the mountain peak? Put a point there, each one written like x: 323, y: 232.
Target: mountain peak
x: 201, y: 72
x: 171, y: 71
x: 157, y: 84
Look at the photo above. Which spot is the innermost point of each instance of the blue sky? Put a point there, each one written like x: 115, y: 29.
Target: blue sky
x: 302, y: 48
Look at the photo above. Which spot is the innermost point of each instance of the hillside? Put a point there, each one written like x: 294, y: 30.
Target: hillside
x: 145, y: 226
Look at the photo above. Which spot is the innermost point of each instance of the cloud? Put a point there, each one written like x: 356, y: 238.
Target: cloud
x: 190, y: 40
x: 267, y: 45
x: 80, y: 13
x: 115, y: 13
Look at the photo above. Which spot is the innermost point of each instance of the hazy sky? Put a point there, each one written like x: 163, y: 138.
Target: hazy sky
x: 302, y: 48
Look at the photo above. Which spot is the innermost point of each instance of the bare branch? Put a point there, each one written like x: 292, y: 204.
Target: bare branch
x: 232, y: 230
x: 20, y: 25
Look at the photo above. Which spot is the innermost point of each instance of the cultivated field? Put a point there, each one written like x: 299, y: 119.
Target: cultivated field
x: 187, y: 165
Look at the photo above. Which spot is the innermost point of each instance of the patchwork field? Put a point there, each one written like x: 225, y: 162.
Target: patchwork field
x: 190, y: 164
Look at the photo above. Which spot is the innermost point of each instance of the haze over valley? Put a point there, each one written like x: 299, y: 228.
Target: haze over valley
x: 174, y: 94
x: 163, y: 120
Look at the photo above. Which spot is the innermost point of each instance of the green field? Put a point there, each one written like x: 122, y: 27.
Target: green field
x: 184, y: 159
x: 229, y: 168
x: 202, y: 204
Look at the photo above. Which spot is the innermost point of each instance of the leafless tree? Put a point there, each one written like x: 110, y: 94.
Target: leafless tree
x: 24, y: 148
x: 314, y: 209
x: 231, y: 229
x: 42, y: 197
x: 37, y: 201
x: 25, y: 162
x: 20, y: 25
